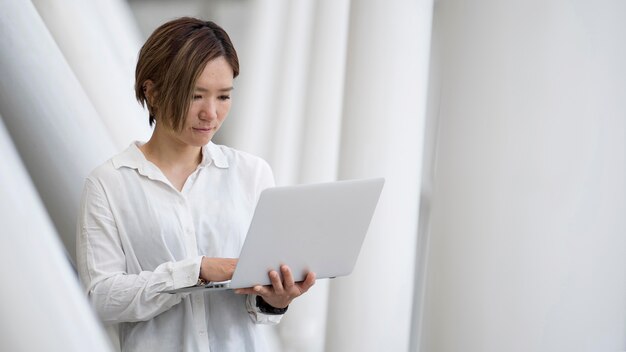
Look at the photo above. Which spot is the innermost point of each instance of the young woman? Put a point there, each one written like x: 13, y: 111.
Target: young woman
x: 173, y: 211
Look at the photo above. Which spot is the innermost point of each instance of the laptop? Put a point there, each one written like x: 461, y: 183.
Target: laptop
x: 314, y: 227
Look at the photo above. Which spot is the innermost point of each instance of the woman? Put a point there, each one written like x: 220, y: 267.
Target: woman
x: 174, y: 211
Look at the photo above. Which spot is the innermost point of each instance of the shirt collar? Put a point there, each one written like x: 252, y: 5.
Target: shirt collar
x: 213, y: 152
x: 133, y: 158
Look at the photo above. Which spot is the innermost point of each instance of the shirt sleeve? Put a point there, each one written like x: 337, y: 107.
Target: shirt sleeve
x: 259, y: 317
x: 116, y: 295
x: 264, y: 178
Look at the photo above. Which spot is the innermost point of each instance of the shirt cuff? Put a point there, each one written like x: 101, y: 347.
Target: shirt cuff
x: 185, y: 273
x: 259, y: 317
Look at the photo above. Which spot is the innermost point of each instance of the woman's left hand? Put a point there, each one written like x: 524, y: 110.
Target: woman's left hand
x: 281, y: 293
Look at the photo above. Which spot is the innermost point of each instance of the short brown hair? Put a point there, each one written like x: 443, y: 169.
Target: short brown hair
x: 173, y: 58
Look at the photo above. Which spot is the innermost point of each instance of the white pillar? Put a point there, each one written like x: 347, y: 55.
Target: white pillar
x: 304, y: 328
x: 269, y: 96
x: 42, y: 305
x: 289, y: 96
x: 250, y: 124
x: 78, y: 31
x: 324, y: 93
x: 123, y: 33
x: 53, y: 125
x: 382, y: 135
x: 528, y: 245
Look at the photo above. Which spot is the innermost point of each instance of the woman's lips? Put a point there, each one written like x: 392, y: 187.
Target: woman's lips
x: 203, y: 130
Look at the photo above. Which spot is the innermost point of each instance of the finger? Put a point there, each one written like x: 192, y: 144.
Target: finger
x: 308, y: 282
x: 262, y: 290
x: 287, y: 277
x: 256, y: 290
x: 276, y: 283
x: 246, y: 291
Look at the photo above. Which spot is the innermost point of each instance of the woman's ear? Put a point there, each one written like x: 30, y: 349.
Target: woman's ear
x: 149, y: 92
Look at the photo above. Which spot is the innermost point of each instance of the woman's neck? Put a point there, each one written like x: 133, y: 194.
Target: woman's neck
x: 167, y: 152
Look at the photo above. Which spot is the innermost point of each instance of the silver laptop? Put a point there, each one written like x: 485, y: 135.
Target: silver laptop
x: 316, y: 227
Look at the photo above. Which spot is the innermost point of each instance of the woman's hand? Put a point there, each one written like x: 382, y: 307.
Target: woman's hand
x: 281, y: 293
x: 217, y: 269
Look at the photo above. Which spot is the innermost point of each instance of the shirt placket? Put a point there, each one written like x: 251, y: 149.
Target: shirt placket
x: 197, y: 300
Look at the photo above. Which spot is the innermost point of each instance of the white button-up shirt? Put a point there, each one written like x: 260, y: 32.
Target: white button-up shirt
x: 138, y: 235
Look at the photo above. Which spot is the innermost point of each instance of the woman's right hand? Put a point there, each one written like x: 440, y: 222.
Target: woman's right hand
x: 217, y: 269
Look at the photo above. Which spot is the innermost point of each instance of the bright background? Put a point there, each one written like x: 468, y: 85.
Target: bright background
x: 499, y: 126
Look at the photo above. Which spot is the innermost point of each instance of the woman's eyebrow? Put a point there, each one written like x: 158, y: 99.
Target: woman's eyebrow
x: 204, y: 90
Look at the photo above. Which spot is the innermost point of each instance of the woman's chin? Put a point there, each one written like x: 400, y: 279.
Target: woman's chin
x: 201, y: 143
x: 199, y: 140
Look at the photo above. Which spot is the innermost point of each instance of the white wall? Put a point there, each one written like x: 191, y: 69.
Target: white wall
x: 528, y: 225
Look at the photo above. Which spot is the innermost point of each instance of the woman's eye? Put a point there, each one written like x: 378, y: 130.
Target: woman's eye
x: 197, y: 97
x: 224, y: 97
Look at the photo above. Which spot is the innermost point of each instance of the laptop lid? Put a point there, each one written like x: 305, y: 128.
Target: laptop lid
x: 315, y: 227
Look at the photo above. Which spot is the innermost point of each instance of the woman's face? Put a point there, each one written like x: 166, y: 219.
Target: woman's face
x: 210, y: 103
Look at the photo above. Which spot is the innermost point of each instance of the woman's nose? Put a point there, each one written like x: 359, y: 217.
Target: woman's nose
x: 208, y: 111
